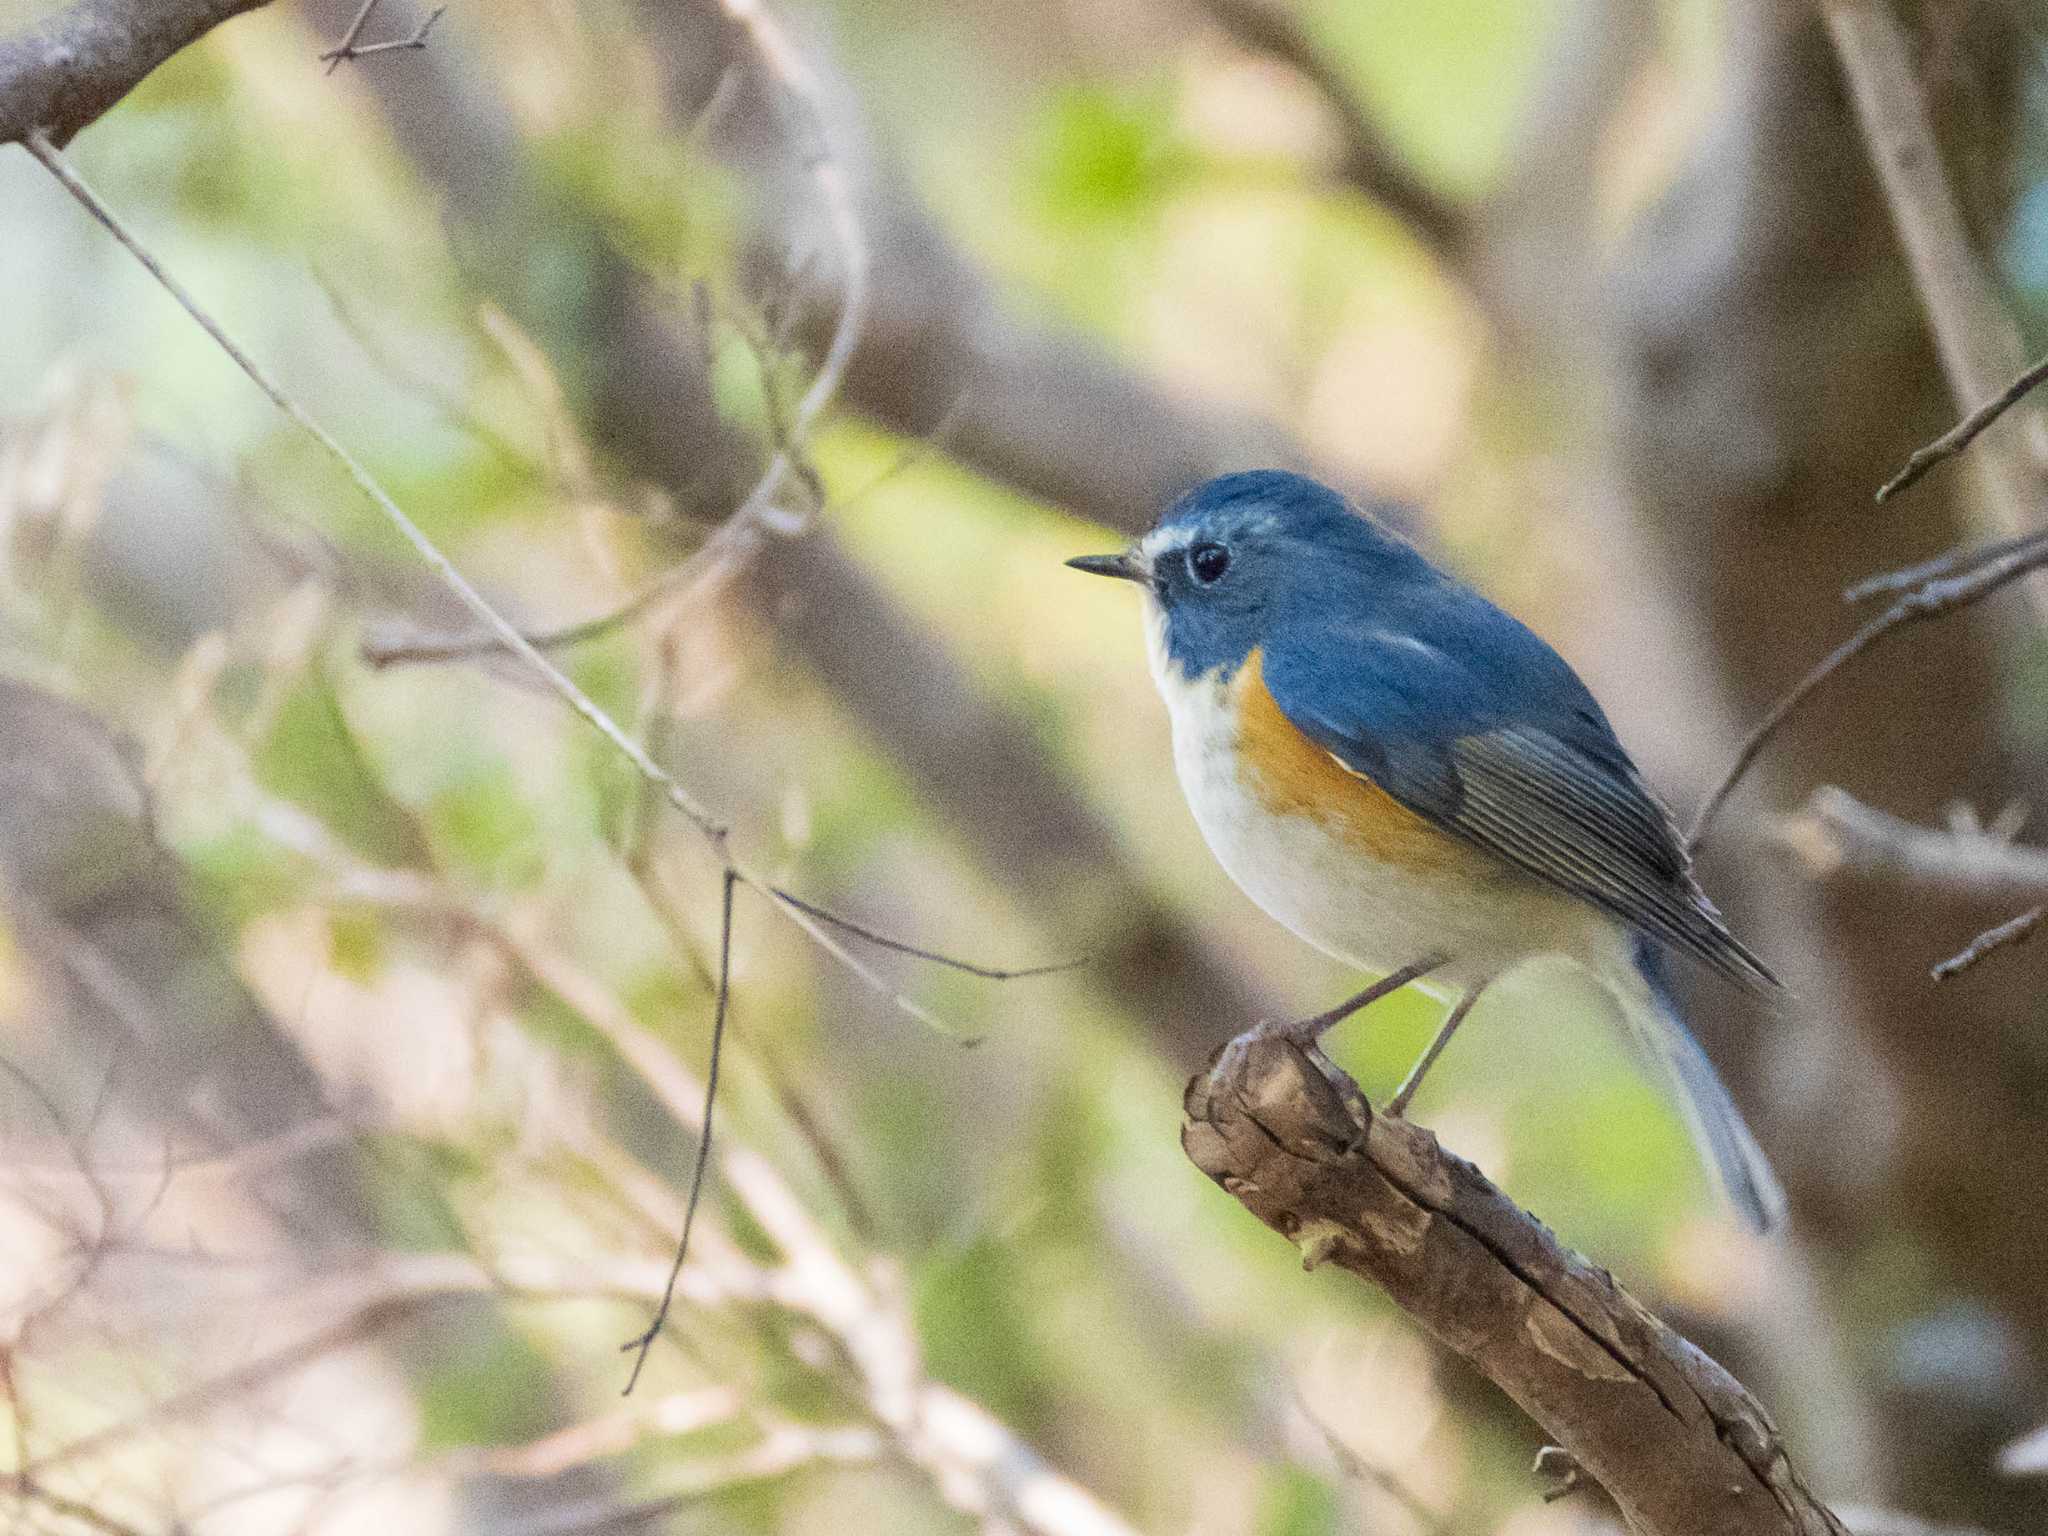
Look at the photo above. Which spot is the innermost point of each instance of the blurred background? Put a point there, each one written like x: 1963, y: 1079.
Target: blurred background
x: 355, y: 998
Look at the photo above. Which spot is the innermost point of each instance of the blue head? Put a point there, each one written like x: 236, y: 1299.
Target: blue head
x: 1246, y: 557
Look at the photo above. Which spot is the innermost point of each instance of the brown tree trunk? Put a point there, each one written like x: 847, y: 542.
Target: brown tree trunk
x: 1769, y: 368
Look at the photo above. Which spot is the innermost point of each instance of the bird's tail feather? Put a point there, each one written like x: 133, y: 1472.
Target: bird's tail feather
x: 1717, y: 1126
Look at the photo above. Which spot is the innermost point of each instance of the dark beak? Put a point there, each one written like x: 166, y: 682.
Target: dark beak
x: 1123, y: 566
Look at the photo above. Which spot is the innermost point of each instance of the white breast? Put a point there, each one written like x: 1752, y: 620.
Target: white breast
x: 1376, y: 916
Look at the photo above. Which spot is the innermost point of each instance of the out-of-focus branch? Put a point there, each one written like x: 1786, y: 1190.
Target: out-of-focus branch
x: 1974, y: 332
x: 1372, y: 166
x: 739, y: 539
x: 1128, y: 449
x: 61, y: 74
x: 2026, y: 1456
x: 1865, y: 1521
x: 1035, y: 405
x: 1930, y: 599
x: 1837, y: 831
x: 657, y: 778
x: 1679, y: 1444
x: 977, y: 1463
x: 1534, y: 255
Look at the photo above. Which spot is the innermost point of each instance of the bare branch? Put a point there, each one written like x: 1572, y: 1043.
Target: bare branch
x: 2013, y: 931
x: 640, y: 1345
x: 62, y: 74
x: 951, y: 963
x: 1964, y: 432
x: 736, y: 541
x: 1930, y: 600
x: 1975, y: 334
x: 1948, y: 563
x: 1838, y: 831
x: 1358, y: 1469
x: 1679, y: 1444
x: 557, y: 681
x: 348, y: 48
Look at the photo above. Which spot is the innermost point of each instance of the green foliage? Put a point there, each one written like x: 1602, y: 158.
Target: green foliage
x: 974, y: 1318
x: 310, y: 757
x: 1446, y: 76
x: 1297, y: 1503
x: 1105, y: 152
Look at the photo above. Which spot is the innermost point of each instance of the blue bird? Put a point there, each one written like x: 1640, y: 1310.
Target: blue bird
x: 1416, y: 784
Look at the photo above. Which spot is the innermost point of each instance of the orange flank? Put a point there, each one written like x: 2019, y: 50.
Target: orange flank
x: 1292, y: 776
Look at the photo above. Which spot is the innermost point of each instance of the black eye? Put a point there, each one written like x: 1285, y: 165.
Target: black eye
x: 1208, y: 562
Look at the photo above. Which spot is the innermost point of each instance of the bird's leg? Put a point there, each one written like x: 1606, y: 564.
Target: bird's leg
x: 1397, y: 1106
x: 1313, y: 1028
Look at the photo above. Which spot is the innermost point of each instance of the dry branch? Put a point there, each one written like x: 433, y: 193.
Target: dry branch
x: 2002, y: 565
x: 1678, y: 1443
x: 1042, y: 409
x: 63, y: 73
x: 1978, y: 340
x: 1838, y: 831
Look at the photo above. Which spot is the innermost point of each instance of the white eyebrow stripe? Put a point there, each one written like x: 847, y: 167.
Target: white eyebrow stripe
x: 1165, y: 541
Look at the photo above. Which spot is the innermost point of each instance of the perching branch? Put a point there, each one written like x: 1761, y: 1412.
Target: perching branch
x: 62, y: 74
x: 1678, y: 1443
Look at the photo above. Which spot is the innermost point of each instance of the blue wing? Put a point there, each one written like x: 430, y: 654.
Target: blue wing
x: 1469, y: 719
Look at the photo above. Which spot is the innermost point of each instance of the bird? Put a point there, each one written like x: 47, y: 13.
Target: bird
x: 1415, y: 783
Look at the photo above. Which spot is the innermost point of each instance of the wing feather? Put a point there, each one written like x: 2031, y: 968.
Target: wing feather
x: 1556, y: 796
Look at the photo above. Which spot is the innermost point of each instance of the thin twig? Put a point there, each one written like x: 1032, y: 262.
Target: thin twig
x: 735, y: 542
x: 1358, y: 1469
x: 1929, y: 601
x: 340, y: 51
x: 898, y: 946
x: 1975, y: 335
x: 2014, y: 931
x: 642, y: 1344
x: 390, y: 652
x: 1964, y: 432
x: 349, y: 50
x: 1948, y: 563
x: 506, y: 633
x: 381, y: 652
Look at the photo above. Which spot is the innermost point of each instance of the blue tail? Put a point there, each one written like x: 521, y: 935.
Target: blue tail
x: 1717, y: 1127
